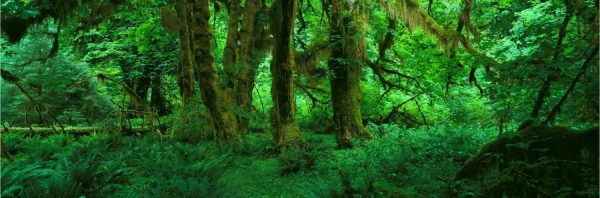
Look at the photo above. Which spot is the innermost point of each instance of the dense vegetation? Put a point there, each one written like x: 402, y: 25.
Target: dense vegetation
x: 299, y: 98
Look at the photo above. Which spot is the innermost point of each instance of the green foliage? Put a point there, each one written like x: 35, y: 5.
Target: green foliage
x: 61, y: 86
x: 108, y: 165
x: 259, y: 144
x: 297, y: 158
x: 19, y: 9
x: 410, y: 159
x: 422, y: 105
x: 533, y: 162
x: 188, y: 123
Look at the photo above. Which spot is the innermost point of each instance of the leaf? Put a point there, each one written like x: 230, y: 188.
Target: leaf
x: 10, y: 191
x: 30, y: 13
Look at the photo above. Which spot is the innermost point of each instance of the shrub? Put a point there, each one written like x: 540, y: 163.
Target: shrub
x: 256, y: 144
x: 413, y: 159
x: 297, y: 158
x: 187, y: 124
x: 110, y: 165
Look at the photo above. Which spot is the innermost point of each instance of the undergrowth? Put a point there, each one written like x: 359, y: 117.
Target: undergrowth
x: 396, y: 162
x: 108, y: 166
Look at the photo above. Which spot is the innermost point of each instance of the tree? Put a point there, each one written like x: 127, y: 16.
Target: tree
x: 58, y: 90
x: 219, y: 105
x: 348, y: 23
x: 144, y: 55
x: 245, y: 49
x: 283, y: 114
x: 185, y: 70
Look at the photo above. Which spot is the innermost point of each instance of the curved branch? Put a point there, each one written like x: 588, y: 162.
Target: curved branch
x: 545, y: 89
x: 136, y: 99
x: 562, y: 100
x: 473, y: 80
x: 11, y: 78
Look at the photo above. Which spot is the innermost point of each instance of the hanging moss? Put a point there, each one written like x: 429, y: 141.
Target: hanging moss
x: 413, y: 16
x: 15, y: 24
x: 348, y: 27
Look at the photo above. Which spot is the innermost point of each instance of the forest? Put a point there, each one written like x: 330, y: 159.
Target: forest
x: 299, y: 98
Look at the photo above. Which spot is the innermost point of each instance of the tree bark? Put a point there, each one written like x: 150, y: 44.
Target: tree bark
x: 253, y: 49
x: 231, y: 54
x: 142, y: 84
x: 157, y: 99
x: 220, y: 107
x: 244, y: 51
x: 185, y: 70
x: 347, y: 33
x: 586, y: 64
x: 545, y: 89
x: 283, y: 114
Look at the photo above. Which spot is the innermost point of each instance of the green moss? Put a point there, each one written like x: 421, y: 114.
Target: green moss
x: 291, y: 135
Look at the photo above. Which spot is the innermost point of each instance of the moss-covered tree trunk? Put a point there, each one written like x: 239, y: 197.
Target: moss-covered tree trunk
x: 141, y: 86
x: 219, y: 105
x: 244, y: 51
x: 283, y: 114
x: 347, y: 33
x: 158, y: 102
x: 185, y: 70
x: 253, y: 51
x: 231, y: 55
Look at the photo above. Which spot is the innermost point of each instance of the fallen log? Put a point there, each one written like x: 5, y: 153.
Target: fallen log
x: 534, y: 161
x: 77, y: 131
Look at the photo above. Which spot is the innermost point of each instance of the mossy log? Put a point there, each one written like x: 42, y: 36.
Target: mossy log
x: 544, y: 158
x: 77, y: 131
x: 532, y: 144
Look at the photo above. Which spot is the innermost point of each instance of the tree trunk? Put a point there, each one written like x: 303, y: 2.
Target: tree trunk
x: 185, y: 70
x: 244, y: 51
x: 220, y: 107
x: 231, y: 54
x: 253, y: 50
x: 128, y: 78
x: 142, y: 84
x: 552, y: 115
x: 232, y: 60
x: 283, y: 114
x: 553, y: 75
x: 157, y: 99
x: 347, y: 33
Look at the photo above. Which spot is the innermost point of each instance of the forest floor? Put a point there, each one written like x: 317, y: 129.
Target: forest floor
x: 399, y: 162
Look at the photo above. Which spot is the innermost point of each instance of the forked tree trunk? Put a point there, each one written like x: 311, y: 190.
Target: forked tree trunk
x: 244, y: 51
x: 347, y: 33
x: 219, y: 105
x: 283, y: 114
x: 253, y: 50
